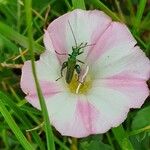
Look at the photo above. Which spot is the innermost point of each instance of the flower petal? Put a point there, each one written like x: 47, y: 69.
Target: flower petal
x: 111, y: 106
x: 47, y: 70
x: 48, y: 42
x: 113, y: 98
x: 64, y: 114
x: 135, y: 90
x: 76, y: 118
x: 66, y: 119
x: 91, y: 117
x: 115, y: 43
x: 134, y: 65
x: 87, y: 27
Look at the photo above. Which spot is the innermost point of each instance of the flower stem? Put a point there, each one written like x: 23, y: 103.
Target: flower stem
x: 48, y: 129
x: 74, y: 144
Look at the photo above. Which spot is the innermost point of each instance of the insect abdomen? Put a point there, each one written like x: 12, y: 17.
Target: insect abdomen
x: 70, y: 70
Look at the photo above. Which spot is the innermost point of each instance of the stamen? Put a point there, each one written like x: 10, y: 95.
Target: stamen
x: 82, y: 79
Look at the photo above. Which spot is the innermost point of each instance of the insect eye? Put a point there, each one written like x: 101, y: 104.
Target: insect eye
x: 64, y: 64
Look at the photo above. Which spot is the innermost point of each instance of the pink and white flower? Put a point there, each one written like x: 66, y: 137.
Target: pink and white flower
x: 115, y: 79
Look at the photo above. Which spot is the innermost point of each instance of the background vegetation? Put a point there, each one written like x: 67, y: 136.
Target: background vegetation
x: 18, y: 117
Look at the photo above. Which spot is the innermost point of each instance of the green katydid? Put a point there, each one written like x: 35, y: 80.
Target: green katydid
x: 71, y: 63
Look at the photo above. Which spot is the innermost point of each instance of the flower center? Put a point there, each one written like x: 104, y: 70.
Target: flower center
x: 80, y: 88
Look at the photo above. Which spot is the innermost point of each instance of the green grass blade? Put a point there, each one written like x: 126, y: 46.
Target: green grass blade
x: 135, y: 132
x: 21, y: 138
x: 104, y: 8
x: 140, y: 11
x: 48, y: 129
x: 78, y: 4
x: 122, y: 138
x: 18, y: 15
x: 18, y: 38
x: 21, y: 116
x: 110, y: 140
x: 5, y: 138
x: 147, y: 51
x: 62, y: 145
x: 121, y: 15
x: 130, y: 8
x: 10, y: 45
x: 68, y: 4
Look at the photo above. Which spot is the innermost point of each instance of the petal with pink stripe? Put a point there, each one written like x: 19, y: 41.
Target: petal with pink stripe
x: 115, y: 43
x: 87, y: 27
x: 134, y: 65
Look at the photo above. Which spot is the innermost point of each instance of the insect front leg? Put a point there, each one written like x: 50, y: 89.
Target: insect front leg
x: 64, y: 65
x: 80, y: 52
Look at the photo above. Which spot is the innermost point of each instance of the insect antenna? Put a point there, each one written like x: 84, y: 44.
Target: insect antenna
x: 91, y: 44
x: 72, y: 33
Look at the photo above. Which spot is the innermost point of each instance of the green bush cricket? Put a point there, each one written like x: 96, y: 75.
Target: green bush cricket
x: 71, y: 63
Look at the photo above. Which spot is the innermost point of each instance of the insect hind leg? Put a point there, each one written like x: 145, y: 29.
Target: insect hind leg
x: 64, y: 65
x: 60, y: 53
x: 78, y: 70
x: 80, y: 61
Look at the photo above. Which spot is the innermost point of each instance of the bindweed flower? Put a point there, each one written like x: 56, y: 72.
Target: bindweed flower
x: 112, y: 78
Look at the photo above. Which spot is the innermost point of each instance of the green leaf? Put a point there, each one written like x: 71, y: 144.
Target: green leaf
x: 12, y: 124
x: 94, y: 144
x: 18, y: 38
x: 122, y: 138
x: 78, y: 4
x: 142, y: 119
x: 140, y: 144
x: 3, y: 2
